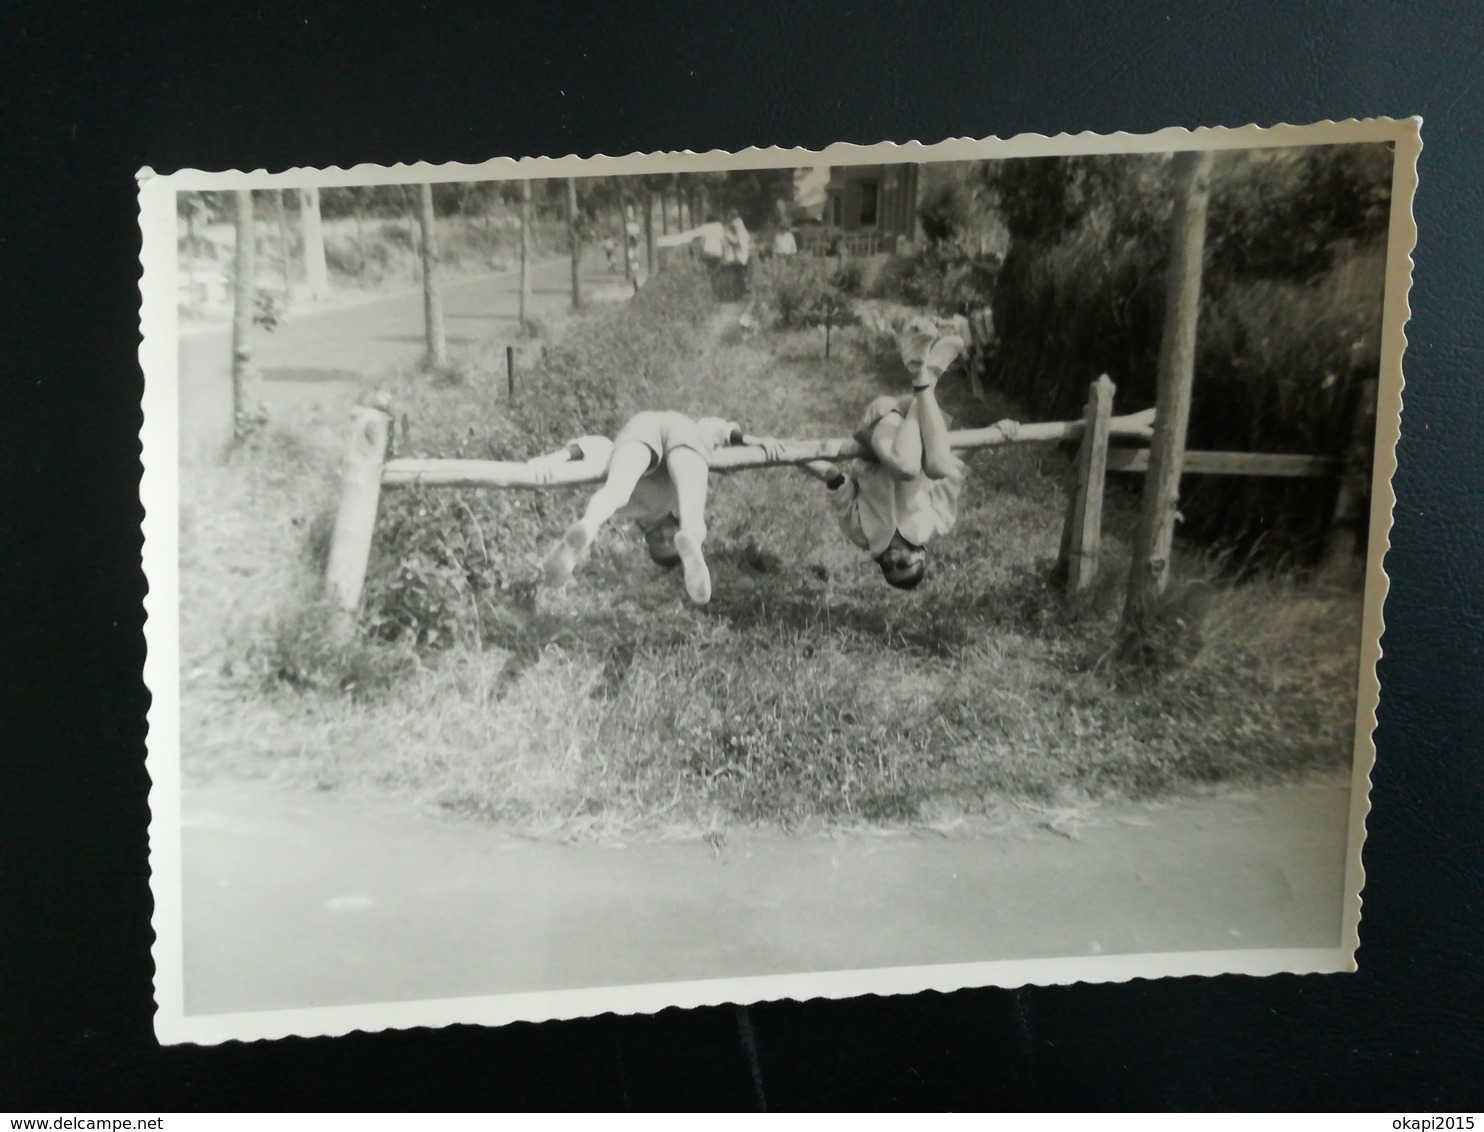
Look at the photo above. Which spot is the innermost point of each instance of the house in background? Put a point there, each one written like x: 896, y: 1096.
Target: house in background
x: 856, y: 209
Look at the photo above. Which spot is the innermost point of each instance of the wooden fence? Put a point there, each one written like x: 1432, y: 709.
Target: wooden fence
x: 368, y: 470
x: 1081, y: 543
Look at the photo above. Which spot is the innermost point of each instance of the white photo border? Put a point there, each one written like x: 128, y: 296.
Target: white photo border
x: 159, y: 490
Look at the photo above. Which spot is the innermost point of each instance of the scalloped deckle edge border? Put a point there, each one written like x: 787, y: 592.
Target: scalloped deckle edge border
x: 159, y: 494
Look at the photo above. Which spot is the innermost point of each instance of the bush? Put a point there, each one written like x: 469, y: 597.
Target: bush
x: 801, y: 292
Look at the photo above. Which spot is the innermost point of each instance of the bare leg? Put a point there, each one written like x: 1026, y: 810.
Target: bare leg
x: 689, y: 472
x: 625, y: 468
x: 938, y: 459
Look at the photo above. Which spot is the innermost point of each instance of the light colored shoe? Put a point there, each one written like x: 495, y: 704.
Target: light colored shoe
x: 945, y: 351
x: 693, y: 562
x: 563, y: 559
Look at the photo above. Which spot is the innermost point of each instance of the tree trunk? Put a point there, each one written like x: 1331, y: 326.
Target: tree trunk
x: 525, y: 256
x: 432, y: 297
x: 1154, y: 542
x: 576, y: 242
x: 649, y: 249
x: 192, y: 243
x: 316, y: 273
x: 244, y: 304
x: 623, y: 229
x: 285, y: 245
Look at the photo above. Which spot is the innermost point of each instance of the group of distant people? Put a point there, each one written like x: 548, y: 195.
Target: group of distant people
x: 890, y: 504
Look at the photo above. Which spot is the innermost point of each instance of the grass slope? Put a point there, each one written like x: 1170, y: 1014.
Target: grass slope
x: 808, y: 689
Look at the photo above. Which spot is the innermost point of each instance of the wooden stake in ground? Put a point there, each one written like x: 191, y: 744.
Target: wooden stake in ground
x: 1083, y: 534
x: 432, y: 296
x: 525, y: 257
x: 316, y: 273
x: 244, y: 306
x: 1155, y: 539
x: 575, y: 240
x: 360, y: 494
x: 1340, y: 543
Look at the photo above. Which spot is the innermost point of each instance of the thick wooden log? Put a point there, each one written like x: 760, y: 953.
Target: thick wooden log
x: 1084, y: 535
x: 360, y: 494
x: 1231, y: 463
x: 519, y: 474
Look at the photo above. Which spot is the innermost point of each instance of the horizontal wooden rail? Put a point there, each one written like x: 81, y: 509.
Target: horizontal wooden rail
x: 1230, y: 463
x: 518, y: 474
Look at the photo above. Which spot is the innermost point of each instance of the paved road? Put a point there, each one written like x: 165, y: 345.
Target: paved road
x: 295, y: 900
x: 317, y: 358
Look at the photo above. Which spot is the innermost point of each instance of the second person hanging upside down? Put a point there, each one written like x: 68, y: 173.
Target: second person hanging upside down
x: 895, y: 503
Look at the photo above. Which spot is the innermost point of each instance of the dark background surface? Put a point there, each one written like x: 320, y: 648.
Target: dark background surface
x: 91, y: 93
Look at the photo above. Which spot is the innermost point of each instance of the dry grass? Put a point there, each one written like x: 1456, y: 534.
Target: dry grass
x: 807, y: 689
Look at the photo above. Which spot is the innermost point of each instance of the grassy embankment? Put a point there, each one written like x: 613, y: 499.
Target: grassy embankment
x: 807, y: 689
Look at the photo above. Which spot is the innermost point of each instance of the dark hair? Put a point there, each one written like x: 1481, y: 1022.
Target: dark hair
x: 670, y: 558
x: 910, y: 581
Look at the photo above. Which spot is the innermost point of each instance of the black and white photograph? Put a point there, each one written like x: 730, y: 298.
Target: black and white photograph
x: 604, y: 584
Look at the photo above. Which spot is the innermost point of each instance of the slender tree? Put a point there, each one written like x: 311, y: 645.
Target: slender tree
x: 1154, y: 541
x: 316, y: 274
x: 525, y: 255
x: 244, y: 304
x: 432, y: 296
x: 623, y: 228
x: 576, y: 241
x: 649, y: 248
x: 285, y: 243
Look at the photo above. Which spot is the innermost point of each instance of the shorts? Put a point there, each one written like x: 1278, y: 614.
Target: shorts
x: 663, y: 432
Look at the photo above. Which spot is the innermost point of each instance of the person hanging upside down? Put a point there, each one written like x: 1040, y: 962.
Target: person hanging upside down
x: 657, y: 471
x: 892, y: 506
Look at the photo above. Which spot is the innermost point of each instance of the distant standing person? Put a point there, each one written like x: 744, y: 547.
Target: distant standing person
x: 708, y: 243
x: 737, y: 253
x: 785, y: 243
x: 631, y: 239
x: 610, y: 248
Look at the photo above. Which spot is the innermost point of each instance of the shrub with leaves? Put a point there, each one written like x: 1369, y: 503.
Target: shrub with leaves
x: 801, y: 292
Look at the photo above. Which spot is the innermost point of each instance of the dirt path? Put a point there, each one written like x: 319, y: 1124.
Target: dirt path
x: 317, y: 359
x: 297, y: 900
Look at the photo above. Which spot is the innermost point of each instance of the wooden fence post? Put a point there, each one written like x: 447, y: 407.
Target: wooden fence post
x: 1082, y: 536
x: 1156, y: 534
x: 360, y: 493
x: 1339, y: 545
